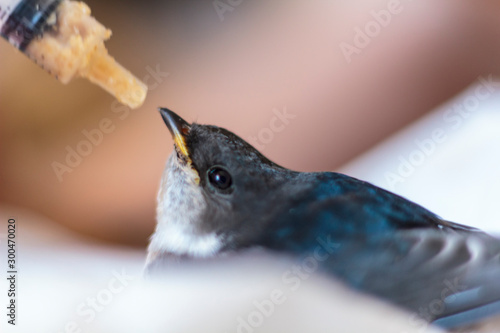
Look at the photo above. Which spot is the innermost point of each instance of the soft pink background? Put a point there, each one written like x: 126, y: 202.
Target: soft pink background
x: 264, y: 55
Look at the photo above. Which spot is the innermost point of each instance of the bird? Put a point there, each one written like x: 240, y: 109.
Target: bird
x: 220, y: 196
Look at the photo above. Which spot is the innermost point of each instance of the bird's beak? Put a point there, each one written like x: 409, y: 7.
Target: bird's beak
x: 179, y: 129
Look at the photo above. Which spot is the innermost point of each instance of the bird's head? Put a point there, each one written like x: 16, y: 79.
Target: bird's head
x: 216, y: 191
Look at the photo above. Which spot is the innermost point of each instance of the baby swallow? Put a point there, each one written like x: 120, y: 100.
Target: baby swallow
x: 219, y: 195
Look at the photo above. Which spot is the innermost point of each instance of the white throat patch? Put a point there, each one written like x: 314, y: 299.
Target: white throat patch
x: 180, y: 206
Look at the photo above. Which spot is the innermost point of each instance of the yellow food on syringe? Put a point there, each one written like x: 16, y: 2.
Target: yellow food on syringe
x: 71, y: 45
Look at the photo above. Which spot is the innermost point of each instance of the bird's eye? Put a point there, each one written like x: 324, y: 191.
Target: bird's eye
x: 219, y: 178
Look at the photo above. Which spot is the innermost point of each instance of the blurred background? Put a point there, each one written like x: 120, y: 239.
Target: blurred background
x: 347, y: 74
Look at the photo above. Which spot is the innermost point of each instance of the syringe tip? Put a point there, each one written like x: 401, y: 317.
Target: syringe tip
x: 104, y: 71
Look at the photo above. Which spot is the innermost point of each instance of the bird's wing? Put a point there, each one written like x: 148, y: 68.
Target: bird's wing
x: 433, y: 271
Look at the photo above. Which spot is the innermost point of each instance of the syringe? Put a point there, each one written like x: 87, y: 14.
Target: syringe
x: 62, y: 37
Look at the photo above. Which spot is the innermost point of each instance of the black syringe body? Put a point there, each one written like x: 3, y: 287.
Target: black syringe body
x: 23, y: 20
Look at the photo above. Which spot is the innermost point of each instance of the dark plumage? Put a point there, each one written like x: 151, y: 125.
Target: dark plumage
x: 373, y: 240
